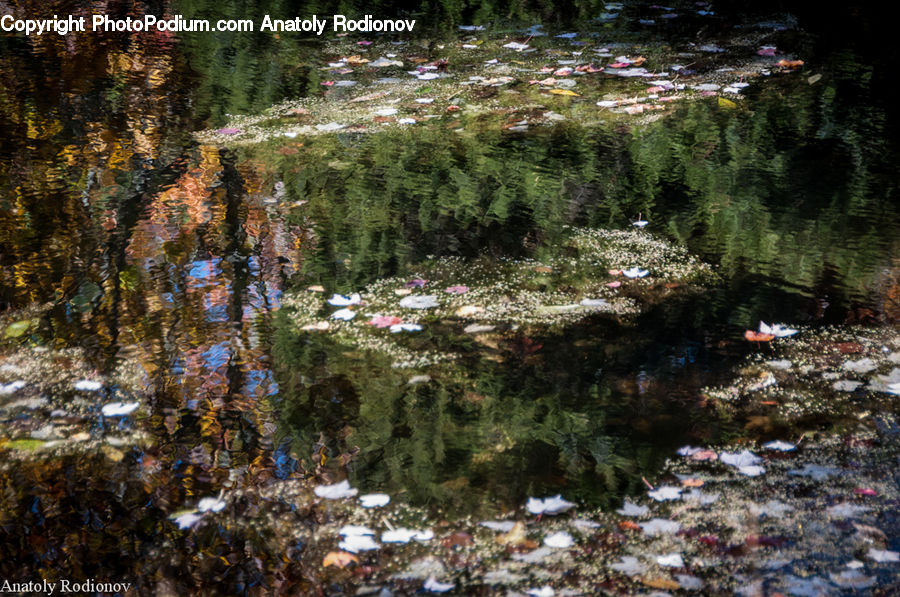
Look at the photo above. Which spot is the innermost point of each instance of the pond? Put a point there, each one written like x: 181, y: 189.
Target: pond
x: 155, y: 252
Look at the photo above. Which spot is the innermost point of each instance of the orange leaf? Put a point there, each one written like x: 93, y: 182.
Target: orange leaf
x: 627, y: 525
x: 661, y: 583
x: 692, y: 482
x: 757, y: 336
x: 340, y: 559
x: 789, y: 63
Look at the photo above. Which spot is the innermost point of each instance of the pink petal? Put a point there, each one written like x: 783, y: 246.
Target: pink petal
x: 228, y: 131
x: 865, y: 491
x: 385, y: 321
x: 327, y: 83
x: 364, y: 43
x: 615, y: 284
x: 457, y: 290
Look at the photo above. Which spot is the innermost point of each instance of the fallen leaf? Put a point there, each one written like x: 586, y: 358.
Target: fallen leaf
x: 726, y: 103
x: 384, y: 321
x: 568, y: 92
x: 758, y: 337
x: 460, y: 539
x: 664, y: 584
x: 341, y: 559
x: 515, y: 536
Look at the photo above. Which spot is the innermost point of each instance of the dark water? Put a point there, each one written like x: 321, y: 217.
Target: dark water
x: 144, y: 245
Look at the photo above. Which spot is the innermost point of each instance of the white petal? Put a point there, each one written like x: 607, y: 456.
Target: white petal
x: 780, y: 446
x: 631, y: 509
x: 210, y: 504
x: 550, y: 505
x: 336, y: 491
x: 398, y: 536
x: 87, y: 385
x: 560, y: 539
x: 11, y: 388
x: 186, y: 521
x: 660, y: 526
x: 118, y: 409
x: 498, y: 525
x: 345, y: 314
x: 672, y: 560
x: 635, y: 272
x: 745, y: 458
x: 357, y: 543
x: 589, y: 302
x: 883, y: 555
x: 664, y: 493
x: 339, y: 300
x: 437, y: 587
x: 350, y: 530
x: 374, y: 500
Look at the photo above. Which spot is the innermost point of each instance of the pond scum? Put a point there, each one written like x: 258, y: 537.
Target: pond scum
x: 609, y: 272
x: 814, y: 516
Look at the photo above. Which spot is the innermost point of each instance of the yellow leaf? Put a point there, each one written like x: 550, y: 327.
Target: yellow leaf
x: 726, y: 103
x: 564, y: 92
x: 665, y: 584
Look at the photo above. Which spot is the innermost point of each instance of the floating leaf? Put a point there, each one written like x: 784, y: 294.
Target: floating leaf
x: 339, y: 300
x: 210, y: 504
x: 550, y: 505
x: 776, y: 329
x: 341, y: 559
x: 635, y: 272
x: 665, y: 493
x: 631, y: 509
x: 87, y: 385
x: 780, y: 446
x: 118, y: 409
x: 344, y: 314
x: 437, y: 587
x: 18, y: 328
x: 384, y: 321
x: 456, y: 289
x: 421, y: 301
x: 374, y: 500
x: 336, y: 491
x: 758, y: 337
x: 358, y: 543
x: 499, y: 525
x: 883, y: 555
x: 726, y: 103
x: 660, y: 526
x: 560, y: 539
x: 629, y: 565
x: 568, y: 92
x: 671, y: 560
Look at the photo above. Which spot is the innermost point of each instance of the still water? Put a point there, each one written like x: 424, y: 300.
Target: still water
x: 142, y: 245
